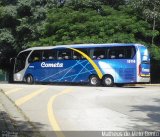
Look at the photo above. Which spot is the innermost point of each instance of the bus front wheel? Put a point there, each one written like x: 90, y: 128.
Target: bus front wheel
x: 29, y: 79
x: 94, y: 80
x: 108, y: 81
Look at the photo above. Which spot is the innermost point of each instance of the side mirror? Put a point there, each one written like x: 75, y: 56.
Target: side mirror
x: 12, y: 60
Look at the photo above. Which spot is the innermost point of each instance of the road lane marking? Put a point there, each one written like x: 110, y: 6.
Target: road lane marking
x: 51, y: 115
x: 12, y: 91
x: 29, y: 97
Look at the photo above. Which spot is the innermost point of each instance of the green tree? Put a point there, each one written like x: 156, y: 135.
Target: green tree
x: 6, y: 48
x: 68, y: 25
x: 7, y: 41
x: 6, y: 2
x: 114, y: 3
x: 150, y: 9
x: 20, y: 23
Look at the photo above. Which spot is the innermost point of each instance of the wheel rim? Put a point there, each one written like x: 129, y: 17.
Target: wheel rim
x: 94, y: 80
x: 29, y: 79
x: 108, y: 81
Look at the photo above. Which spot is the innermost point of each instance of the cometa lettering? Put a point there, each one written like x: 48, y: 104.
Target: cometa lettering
x: 51, y: 65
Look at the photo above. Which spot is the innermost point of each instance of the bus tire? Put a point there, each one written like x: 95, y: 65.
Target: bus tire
x: 29, y: 79
x: 108, y: 81
x: 94, y: 80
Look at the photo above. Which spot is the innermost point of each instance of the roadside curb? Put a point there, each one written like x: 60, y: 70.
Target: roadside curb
x: 14, y: 115
x: 6, y: 123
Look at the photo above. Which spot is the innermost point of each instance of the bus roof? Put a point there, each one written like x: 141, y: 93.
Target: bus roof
x: 83, y: 46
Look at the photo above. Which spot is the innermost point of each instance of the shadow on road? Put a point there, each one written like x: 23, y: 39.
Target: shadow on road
x: 153, y: 112
x: 153, y: 115
x: 13, y: 127
x: 134, y: 87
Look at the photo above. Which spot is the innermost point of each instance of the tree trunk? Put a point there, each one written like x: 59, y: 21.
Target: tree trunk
x: 154, y: 25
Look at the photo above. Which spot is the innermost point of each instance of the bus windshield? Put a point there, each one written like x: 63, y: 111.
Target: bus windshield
x: 21, y: 60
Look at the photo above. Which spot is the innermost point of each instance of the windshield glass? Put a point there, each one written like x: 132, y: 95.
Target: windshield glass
x: 21, y: 61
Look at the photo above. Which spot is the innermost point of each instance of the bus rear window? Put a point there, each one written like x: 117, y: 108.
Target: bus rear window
x: 145, y: 59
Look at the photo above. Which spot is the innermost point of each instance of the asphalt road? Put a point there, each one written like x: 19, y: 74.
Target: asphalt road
x: 84, y: 108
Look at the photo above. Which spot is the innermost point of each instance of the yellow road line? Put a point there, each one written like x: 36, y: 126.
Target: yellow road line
x: 29, y: 97
x: 51, y: 114
x: 13, y: 91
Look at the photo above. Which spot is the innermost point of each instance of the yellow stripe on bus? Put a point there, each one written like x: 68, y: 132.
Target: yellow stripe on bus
x: 99, y: 73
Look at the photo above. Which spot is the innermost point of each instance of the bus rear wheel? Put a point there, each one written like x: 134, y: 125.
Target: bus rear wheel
x: 94, y: 80
x: 108, y: 81
x: 29, y: 79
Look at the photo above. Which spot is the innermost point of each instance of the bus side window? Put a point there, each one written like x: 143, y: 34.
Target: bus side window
x: 49, y: 55
x: 35, y: 56
x: 64, y: 54
x: 116, y: 53
x: 120, y: 53
x: 129, y: 52
x: 76, y: 55
x: 112, y: 54
x: 85, y: 51
x: 99, y: 53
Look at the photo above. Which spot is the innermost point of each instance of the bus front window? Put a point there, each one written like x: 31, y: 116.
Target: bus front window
x: 21, y: 61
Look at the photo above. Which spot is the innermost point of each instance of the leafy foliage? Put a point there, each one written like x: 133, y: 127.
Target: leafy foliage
x: 6, y: 49
x: 149, y: 10
x: 67, y: 25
